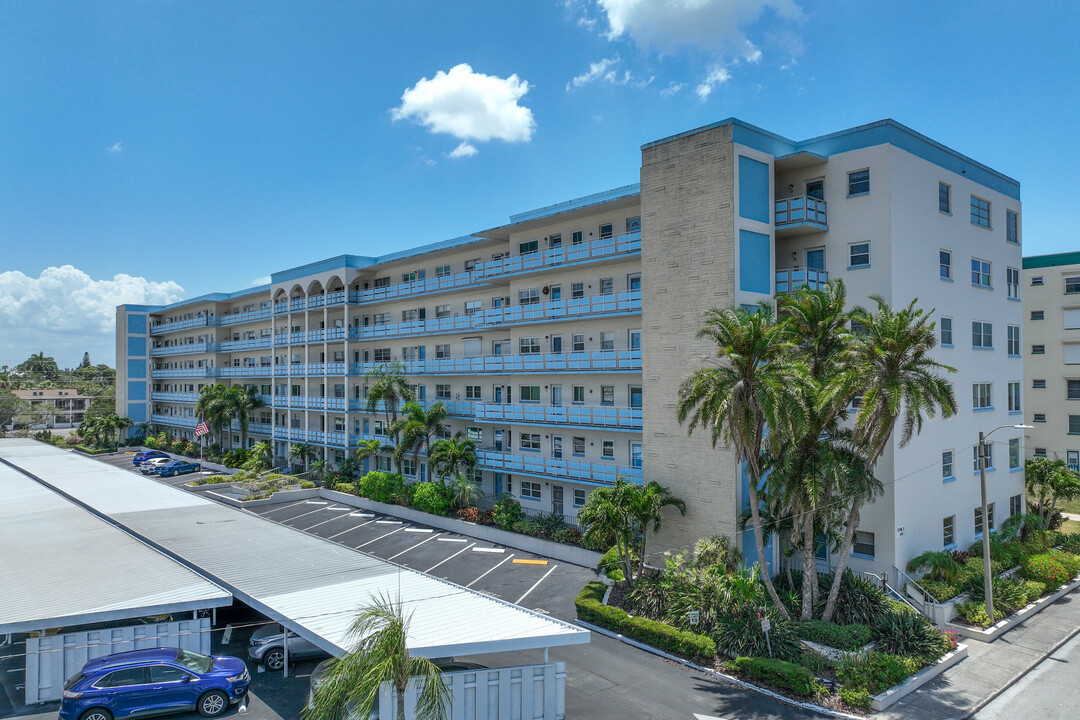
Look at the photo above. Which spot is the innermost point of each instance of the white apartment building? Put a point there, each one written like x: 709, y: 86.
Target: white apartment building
x: 558, y: 341
x: 1052, y: 349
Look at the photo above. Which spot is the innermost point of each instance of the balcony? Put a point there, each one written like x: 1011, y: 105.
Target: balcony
x: 791, y: 279
x: 335, y: 298
x: 799, y: 215
x: 231, y: 345
x: 464, y: 409
x: 316, y: 301
x: 186, y: 349
x: 565, y: 254
x: 184, y: 373
x: 246, y: 371
x: 603, y: 416
x: 281, y: 433
x: 599, y: 361
x: 254, y: 428
x: 167, y: 327
x: 416, y: 287
x: 243, y: 317
x: 336, y: 403
x: 559, y: 468
x: 176, y: 397
x: 337, y: 439
x: 172, y: 420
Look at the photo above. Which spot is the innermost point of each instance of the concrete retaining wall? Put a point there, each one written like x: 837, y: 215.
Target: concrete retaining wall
x: 999, y: 628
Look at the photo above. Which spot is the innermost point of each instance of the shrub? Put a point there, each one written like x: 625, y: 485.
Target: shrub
x: 212, y: 480
x: 475, y: 515
x: 431, y: 497
x: 235, y: 458
x: 306, y: 485
x: 856, y: 698
x: 860, y: 600
x: 778, y: 673
x: 841, y: 637
x: 568, y: 536
x: 907, y: 634
x: 547, y: 524
x: 738, y: 635
x: 973, y: 613
x: 875, y: 672
x: 1047, y: 569
x: 507, y: 512
x: 590, y: 608
x: 1033, y: 591
x: 381, y: 486
x: 941, y: 590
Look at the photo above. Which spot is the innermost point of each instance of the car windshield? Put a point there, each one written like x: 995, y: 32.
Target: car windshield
x: 194, y: 661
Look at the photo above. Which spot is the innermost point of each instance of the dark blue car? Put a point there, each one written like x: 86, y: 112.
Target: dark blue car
x: 144, y: 455
x: 154, y: 682
x: 177, y: 467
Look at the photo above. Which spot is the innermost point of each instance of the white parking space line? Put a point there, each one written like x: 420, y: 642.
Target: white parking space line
x: 378, y: 538
x: 316, y: 502
x: 389, y: 522
x: 309, y: 512
x: 336, y: 508
x: 446, y: 539
x: 282, y: 507
x: 518, y: 601
x: 419, y: 530
x: 354, y: 527
x: 412, y: 548
x: 361, y: 514
x: 490, y: 550
x: 449, y: 558
x: 332, y: 518
x: 482, y: 576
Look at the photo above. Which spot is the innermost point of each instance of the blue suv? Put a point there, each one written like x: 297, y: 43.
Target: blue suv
x: 154, y: 682
x: 144, y: 455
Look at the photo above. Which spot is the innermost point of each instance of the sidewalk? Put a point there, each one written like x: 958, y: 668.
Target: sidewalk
x: 991, y: 667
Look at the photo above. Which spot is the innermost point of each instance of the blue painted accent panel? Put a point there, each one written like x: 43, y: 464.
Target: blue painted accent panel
x: 136, y: 412
x: 137, y: 325
x: 755, y: 262
x: 136, y: 347
x: 136, y: 390
x: 136, y: 369
x: 749, y: 548
x: 753, y: 190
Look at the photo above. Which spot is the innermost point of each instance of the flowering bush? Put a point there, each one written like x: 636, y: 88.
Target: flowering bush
x: 1050, y: 569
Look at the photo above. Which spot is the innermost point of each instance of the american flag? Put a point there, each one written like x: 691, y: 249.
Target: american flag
x: 202, y: 429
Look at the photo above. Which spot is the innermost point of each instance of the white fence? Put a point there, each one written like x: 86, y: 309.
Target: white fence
x: 523, y: 692
x: 52, y: 659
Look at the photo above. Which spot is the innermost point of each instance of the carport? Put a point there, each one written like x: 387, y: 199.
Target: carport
x: 308, y: 584
x: 63, y: 567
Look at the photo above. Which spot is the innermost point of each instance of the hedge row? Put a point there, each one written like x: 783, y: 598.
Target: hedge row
x: 780, y: 674
x: 591, y: 608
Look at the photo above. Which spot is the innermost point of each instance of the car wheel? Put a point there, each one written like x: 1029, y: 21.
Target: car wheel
x: 213, y: 703
x: 96, y: 714
x: 274, y: 659
x: 172, y: 474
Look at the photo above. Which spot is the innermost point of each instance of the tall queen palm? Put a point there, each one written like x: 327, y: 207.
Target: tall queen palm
x: 750, y: 398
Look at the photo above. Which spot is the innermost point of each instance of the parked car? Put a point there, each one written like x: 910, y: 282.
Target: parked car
x: 152, y: 682
x: 149, y: 466
x: 177, y: 467
x: 144, y: 455
x: 267, y: 646
x: 317, y: 675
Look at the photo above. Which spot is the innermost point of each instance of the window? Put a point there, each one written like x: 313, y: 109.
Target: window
x: 945, y: 264
x: 579, y: 497
x: 980, y: 273
x: 607, y: 448
x: 575, y: 237
x: 1038, y: 384
x: 442, y: 270
x: 473, y: 306
x: 125, y: 678
x: 1016, y: 505
x: 607, y: 286
x: 1039, y: 417
x: 944, y: 199
x: 529, y: 297
x: 529, y: 345
x: 166, y: 674
x: 858, y: 182
x: 556, y: 343
x: 980, y: 212
x: 1037, y: 314
x: 470, y: 265
x: 473, y: 392
x: 382, y: 355
x: 578, y: 342
x: 1014, y: 453
x: 1014, y: 397
x: 859, y: 255
x: 408, y: 467
x: 633, y: 281
x: 1037, y: 280
x: 988, y: 457
x: 579, y: 394
x: 530, y: 490
x: 607, y: 341
x: 636, y: 453
x: 1038, y: 349
x: 1012, y: 282
x: 382, y: 463
x: 606, y: 231
x: 1040, y: 452
x: 1011, y: 227
x: 555, y: 240
x: 442, y: 392
x: 1073, y: 392
x: 981, y: 396
x: 378, y: 319
x: 530, y: 393
x: 1072, y: 285
x: 1074, y: 424
x: 577, y: 291
x: 529, y: 247
x: 475, y: 433
x: 982, y: 334
x: 530, y: 441
x: 1072, y: 459
x: 948, y: 527
x: 556, y: 292
x: 382, y: 282
x: 579, y: 446
x: 442, y: 311
x: 607, y: 394
x: 946, y: 331
x: 947, y: 464
x: 864, y: 544
x: 1013, y: 340
x: 442, y: 351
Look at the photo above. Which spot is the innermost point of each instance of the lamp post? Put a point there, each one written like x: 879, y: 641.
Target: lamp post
x: 988, y: 586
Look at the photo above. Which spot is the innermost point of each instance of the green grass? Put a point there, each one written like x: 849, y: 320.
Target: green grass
x: 1070, y: 527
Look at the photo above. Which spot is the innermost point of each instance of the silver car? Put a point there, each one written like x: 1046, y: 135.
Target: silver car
x: 267, y: 646
x: 147, y: 466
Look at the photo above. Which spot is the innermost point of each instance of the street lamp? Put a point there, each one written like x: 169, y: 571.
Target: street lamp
x: 988, y: 586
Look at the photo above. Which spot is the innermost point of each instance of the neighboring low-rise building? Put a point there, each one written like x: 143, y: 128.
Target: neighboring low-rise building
x: 53, y: 408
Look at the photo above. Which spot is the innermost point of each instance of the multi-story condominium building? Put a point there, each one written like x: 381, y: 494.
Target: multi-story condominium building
x: 53, y: 408
x: 1052, y: 350
x: 559, y: 341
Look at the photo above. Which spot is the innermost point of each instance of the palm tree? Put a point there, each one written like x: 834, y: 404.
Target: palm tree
x: 302, y: 452
x: 317, y: 469
x: 891, y: 368
x: 241, y: 403
x: 647, y: 510
x: 466, y: 494
x: 144, y: 430
x: 380, y: 653
x: 415, y: 429
x: 453, y: 456
x: 749, y: 399
x: 215, y: 407
x: 387, y: 385
x: 368, y: 449
x: 262, y: 451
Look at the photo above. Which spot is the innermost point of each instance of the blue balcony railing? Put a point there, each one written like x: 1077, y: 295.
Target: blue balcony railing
x: 790, y: 280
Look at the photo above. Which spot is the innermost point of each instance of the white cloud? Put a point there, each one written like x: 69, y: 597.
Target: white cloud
x: 673, y: 88
x: 264, y: 280
x: 717, y: 76
x: 116, y: 148
x: 710, y: 25
x: 463, y: 150
x: 597, y: 70
x: 470, y: 106
x: 65, y: 312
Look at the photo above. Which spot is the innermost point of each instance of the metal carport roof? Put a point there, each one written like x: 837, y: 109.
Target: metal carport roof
x: 312, y: 585
x: 61, y: 565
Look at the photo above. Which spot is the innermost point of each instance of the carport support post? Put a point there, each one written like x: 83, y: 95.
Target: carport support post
x: 545, y: 656
x: 285, y: 645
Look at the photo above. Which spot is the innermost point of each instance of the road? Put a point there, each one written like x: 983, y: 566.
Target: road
x: 1048, y: 692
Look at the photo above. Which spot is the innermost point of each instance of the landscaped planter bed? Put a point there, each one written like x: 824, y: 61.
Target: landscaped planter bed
x: 994, y: 632
x: 898, y: 692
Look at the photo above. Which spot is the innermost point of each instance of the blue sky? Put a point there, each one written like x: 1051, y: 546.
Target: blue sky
x: 156, y: 150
